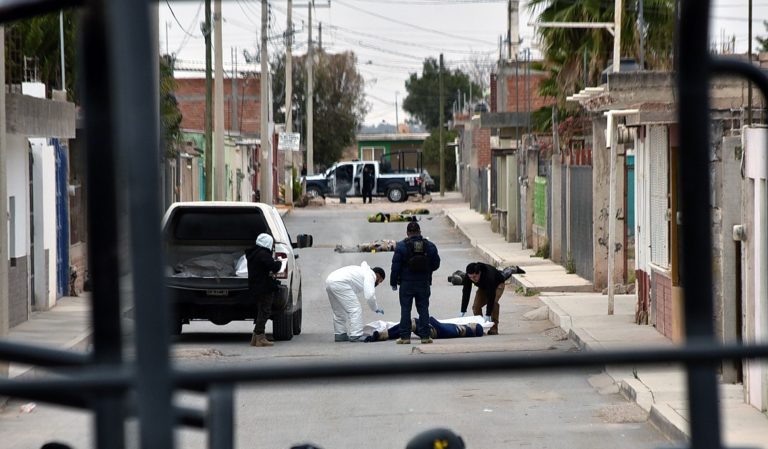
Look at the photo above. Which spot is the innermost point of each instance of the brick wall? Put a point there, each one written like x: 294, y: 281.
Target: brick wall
x: 662, y: 298
x: 519, y: 102
x: 481, y: 144
x: 190, y: 94
x: 18, y: 291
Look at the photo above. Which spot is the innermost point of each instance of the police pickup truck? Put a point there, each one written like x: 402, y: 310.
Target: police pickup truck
x: 347, y: 177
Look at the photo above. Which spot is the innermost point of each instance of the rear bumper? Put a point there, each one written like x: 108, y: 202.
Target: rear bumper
x: 216, y: 305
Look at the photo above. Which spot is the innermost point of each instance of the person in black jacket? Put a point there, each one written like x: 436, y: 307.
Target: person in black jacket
x: 414, y: 261
x: 490, y: 287
x: 262, y: 284
x: 369, y: 178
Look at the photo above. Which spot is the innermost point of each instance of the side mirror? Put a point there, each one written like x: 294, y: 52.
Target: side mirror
x: 303, y: 241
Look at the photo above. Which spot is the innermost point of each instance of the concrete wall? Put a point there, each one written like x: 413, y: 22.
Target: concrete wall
x: 756, y: 257
x: 556, y: 200
x: 44, y: 217
x: 600, y: 191
x: 726, y: 213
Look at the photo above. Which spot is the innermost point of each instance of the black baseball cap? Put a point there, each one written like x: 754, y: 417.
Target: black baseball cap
x: 413, y: 227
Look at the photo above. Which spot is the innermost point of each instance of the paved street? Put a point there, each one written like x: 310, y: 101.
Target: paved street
x: 579, y: 408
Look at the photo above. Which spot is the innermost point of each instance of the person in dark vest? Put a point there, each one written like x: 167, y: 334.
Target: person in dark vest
x: 413, y: 263
x: 368, y: 180
x: 490, y: 286
x: 262, y: 284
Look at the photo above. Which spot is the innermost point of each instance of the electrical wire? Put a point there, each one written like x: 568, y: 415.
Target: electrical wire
x: 453, y: 36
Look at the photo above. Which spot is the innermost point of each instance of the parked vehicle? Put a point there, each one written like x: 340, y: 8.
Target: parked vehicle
x: 204, y: 242
x: 396, y: 183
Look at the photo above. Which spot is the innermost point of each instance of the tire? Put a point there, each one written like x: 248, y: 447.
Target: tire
x: 282, y: 326
x: 176, y: 326
x: 396, y: 194
x: 297, y: 322
x: 297, y: 316
x: 314, y: 192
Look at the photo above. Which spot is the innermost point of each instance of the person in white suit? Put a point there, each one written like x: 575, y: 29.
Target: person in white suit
x: 343, y: 286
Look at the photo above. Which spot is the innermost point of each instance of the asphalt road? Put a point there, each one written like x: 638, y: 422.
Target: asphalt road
x: 566, y: 409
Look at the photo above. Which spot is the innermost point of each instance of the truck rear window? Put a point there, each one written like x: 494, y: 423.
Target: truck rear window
x: 218, y: 224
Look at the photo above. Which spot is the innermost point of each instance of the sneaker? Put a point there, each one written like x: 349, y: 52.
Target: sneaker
x: 427, y: 340
x: 493, y: 332
x: 340, y: 337
x: 357, y: 339
x: 403, y: 341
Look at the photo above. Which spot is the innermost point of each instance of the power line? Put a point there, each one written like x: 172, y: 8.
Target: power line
x: 453, y: 36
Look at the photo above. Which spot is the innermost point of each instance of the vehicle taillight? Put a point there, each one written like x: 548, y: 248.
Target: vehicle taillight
x: 283, y: 273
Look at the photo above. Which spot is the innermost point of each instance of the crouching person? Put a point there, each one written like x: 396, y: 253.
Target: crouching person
x: 343, y: 286
x: 262, y: 284
x: 490, y: 287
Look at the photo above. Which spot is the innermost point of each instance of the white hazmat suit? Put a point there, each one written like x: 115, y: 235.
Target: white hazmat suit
x: 343, y: 286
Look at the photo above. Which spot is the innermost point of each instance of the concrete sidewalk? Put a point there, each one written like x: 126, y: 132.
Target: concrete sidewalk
x: 583, y: 314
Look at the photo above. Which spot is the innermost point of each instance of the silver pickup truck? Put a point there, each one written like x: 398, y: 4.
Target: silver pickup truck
x: 204, y: 242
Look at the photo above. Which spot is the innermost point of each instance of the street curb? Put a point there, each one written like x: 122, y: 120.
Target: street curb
x: 661, y: 417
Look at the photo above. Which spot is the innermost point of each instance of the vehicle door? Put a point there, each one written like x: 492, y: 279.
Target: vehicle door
x: 374, y: 168
x: 344, y: 176
x: 283, y: 244
x: 357, y: 187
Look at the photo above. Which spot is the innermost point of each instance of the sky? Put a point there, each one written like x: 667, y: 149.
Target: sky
x: 391, y: 38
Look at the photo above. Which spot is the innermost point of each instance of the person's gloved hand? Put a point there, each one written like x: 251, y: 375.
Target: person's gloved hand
x: 380, y: 311
x: 487, y: 318
x: 461, y: 314
x: 394, y: 288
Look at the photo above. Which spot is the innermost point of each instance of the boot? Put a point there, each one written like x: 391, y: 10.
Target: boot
x: 260, y: 340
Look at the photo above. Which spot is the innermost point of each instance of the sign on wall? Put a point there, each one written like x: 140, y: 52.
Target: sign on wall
x: 288, y: 141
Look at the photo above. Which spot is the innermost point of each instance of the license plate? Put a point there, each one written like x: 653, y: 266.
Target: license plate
x: 217, y: 292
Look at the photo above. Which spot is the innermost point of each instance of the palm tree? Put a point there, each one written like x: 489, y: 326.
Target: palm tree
x: 564, y: 48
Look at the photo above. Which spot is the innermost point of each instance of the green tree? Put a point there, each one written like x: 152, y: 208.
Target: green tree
x: 431, y: 157
x: 33, y: 46
x: 423, y: 99
x: 763, y: 41
x: 564, y: 48
x: 170, y: 115
x: 339, y: 101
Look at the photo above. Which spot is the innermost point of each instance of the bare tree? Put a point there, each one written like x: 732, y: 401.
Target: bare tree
x: 479, y: 67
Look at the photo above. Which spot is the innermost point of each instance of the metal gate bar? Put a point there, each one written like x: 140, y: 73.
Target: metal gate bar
x: 116, y: 35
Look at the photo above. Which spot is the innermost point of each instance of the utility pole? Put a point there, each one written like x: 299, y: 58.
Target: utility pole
x: 617, y: 36
x: 641, y: 24
x: 4, y: 256
x: 310, y: 94
x: 219, y: 177
x: 749, y: 58
x: 288, y: 105
x: 61, y: 49
x: 397, y: 119
x: 266, y: 139
x: 208, y: 108
x: 442, y: 147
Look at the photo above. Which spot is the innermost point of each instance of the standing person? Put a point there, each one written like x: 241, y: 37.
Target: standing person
x: 368, y: 179
x: 262, y: 284
x: 414, y: 261
x: 490, y: 286
x: 342, y: 287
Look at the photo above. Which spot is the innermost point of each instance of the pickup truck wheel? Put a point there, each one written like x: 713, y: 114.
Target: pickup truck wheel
x: 176, y: 326
x: 297, y: 316
x: 282, y: 326
x: 396, y: 194
x: 314, y: 192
